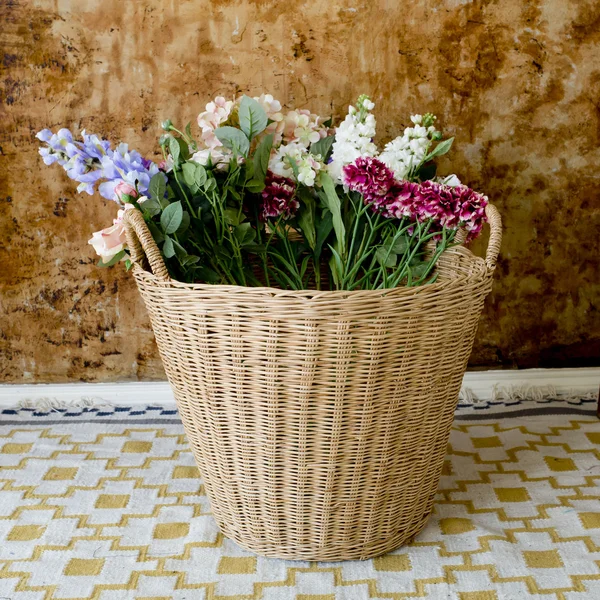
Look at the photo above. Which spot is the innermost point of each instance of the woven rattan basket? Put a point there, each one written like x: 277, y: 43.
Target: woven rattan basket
x: 318, y: 420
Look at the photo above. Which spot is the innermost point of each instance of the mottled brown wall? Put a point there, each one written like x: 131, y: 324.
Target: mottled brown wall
x: 517, y: 83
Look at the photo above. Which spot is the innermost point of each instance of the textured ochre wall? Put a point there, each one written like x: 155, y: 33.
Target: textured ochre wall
x: 517, y: 83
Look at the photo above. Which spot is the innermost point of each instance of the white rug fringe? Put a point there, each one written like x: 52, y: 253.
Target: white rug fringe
x: 55, y: 404
x: 466, y: 396
x: 516, y: 393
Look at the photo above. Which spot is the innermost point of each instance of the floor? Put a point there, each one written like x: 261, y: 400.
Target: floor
x: 106, y: 503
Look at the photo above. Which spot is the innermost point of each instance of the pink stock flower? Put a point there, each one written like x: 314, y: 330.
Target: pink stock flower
x: 452, y: 207
x: 278, y: 198
x: 368, y: 176
x: 111, y: 241
x: 471, y: 209
x: 435, y: 201
x: 125, y: 188
x: 446, y: 206
x: 401, y: 200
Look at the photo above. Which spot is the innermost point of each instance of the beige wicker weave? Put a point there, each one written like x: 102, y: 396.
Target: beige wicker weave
x: 319, y: 420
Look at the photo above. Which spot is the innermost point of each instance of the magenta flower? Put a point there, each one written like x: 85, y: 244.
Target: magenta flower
x: 445, y: 206
x: 435, y: 201
x: 401, y: 201
x: 368, y: 176
x: 451, y: 207
x: 278, y: 198
x: 470, y: 209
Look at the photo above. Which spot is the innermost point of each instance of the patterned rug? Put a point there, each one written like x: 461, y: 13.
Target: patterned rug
x: 105, y: 503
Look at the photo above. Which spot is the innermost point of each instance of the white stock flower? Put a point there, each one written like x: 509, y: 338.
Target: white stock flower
x: 353, y: 138
x: 408, y: 150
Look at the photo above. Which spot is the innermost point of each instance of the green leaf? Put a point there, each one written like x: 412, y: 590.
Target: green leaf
x: 222, y: 252
x: 323, y: 147
x: 190, y: 259
x: 336, y: 266
x: 189, y: 174
x: 157, y: 187
x: 260, y: 161
x: 324, y: 228
x: 156, y: 232
x: 245, y: 234
x: 200, y: 175
x: 440, y: 149
x: 233, y: 192
x: 419, y: 270
x: 128, y: 265
x: 208, y: 275
x: 306, y: 221
x: 113, y: 261
x: 151, y: 206
x: 210, y: 185
x: 304, y: 266
x: 168, y: 248
x: 171, y: 217
x: 188, y: 129
x: 185, y: 223
x: 232, y: 216
x: 184, y: 150
x: 252, y: 116
x: 234, y: 139
x: 397, y: 245
x: 174, y: 150
x: 180, y: 251
x: 386, y: 257
x: 333, y: 203
x: 256, y: 187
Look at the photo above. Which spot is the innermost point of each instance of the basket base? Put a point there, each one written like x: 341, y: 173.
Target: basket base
x: 329, y: 553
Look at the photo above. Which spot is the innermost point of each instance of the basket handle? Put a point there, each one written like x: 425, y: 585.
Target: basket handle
x: 495, y: 221
x: 141, y: 244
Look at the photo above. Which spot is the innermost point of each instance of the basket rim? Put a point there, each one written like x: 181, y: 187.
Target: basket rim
x: 480, y: 275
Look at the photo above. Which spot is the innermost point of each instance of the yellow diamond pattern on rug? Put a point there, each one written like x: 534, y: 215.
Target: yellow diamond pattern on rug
x: 116, y: 510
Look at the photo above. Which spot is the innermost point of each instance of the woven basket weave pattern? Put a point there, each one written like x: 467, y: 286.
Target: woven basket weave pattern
x: 319, y: 420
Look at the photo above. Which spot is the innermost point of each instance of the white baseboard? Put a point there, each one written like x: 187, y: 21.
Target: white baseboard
x: 477, y: 386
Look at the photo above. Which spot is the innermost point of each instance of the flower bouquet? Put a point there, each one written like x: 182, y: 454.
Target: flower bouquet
x: 265, y: 197
x: 317, y: 379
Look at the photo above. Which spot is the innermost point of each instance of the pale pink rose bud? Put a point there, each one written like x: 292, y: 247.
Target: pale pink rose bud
x: 125, y: 188
x: 112, y: 240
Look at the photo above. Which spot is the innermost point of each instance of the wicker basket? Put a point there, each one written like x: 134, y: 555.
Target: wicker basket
x: 318, y: 420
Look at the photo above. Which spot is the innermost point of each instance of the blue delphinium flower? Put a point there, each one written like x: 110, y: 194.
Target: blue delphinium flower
x: 125, y: 165
x: 93, y: 160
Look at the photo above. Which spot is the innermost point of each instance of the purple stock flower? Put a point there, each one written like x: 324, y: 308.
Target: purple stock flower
x: 93, y: 160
